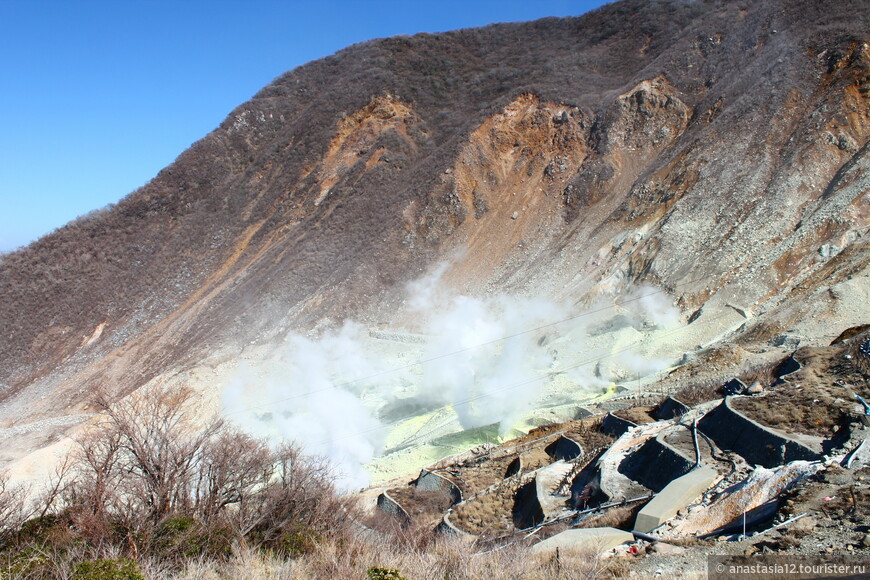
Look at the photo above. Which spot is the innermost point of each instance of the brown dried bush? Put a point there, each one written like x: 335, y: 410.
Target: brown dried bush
x: 149, y: 481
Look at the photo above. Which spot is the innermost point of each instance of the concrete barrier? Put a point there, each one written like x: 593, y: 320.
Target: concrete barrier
x: 787, y: 367
x: 759, y: 515
x: 655, y: 464
x: 585, y: 488
x: 527, y: 510
x: 448, y: 528
x: 757, y: 444
x: 583, y: 540
x: 615, y: 426
x: 733, y: 387
x: 392, y: 508
x: 670, y: 408
x: 431, y: 481
x: 564, y: 448
x: 548, y: 480
x: 675, y: 496
x: 514, y: 467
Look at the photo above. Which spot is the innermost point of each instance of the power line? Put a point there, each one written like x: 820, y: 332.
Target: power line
x: 269, y: 404
x: 420, y: 437
x: 466, y: 401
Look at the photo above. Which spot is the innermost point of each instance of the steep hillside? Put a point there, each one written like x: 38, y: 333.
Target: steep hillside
x: 714, y: 150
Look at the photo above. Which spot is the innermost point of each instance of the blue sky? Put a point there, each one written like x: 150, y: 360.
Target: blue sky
x: 98, y: 96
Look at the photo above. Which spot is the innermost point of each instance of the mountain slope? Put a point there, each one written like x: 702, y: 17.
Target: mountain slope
x: 716, y: 150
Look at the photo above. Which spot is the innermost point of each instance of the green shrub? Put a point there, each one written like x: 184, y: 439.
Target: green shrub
x: 107, y: 569
x: 50, y: 530
x: 376, y: 573
x: 184, y: 537
x: 28, y: 563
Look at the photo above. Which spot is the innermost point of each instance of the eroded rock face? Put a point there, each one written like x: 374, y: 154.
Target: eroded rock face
x: 363, y: 138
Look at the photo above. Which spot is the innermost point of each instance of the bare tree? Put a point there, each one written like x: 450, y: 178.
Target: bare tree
x: 159, y: 448
x: 147, y: 467
x: 14, y: 507
x: 233, y: 468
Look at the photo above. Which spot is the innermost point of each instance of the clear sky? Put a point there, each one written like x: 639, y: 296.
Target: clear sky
x: 97, y: 96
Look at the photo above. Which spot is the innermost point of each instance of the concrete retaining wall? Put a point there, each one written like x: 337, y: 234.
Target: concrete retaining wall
x: 564, y: 448
x: 514, y: 467
x: 615, y: 426
x: 591, y: 476
x: 670, y: 408
x: 757, y: 444
x: 527, y: 510
x: 448, y: 528
x: 758, y: 515
x: 733, y: 387
x: 392, y: 508
x: 431, y: 481
x: 785, y: 368
x: 655, y: 464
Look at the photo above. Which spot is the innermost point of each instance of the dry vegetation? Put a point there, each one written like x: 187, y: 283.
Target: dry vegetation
x: 443, y: 559
x: 477, y: 474
x: 149, y: 483
x: 816, y: 399
x: 588, y: 434
x: 149, y: 493
x: 620, y: 517
x: 637, y: 415
x: 422, y: 505
x: 488, y: 514
x: 535, y: 458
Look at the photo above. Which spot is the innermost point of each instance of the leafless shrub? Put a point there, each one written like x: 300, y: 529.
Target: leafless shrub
x: 14, y: 508
x: 148, y: 480
x: 158, y: 448
x: 699, y: 392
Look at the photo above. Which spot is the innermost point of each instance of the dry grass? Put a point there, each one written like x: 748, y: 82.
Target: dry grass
x: 421, y: 505
x: 620, y: 517
x: 447, y: 558
x: 699, y: 392
x: 588, y: 434
x: 488, y: 514
x: 816, y: 399
x: 637, y: 415
x: 476, y: 475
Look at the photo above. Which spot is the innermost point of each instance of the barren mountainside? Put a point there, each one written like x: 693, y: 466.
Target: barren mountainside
x: 715, y: 150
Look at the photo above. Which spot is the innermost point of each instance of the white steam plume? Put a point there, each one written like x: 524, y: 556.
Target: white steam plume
x: 483, y: 361
x: 298, y: 394
x: 486, y: 358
